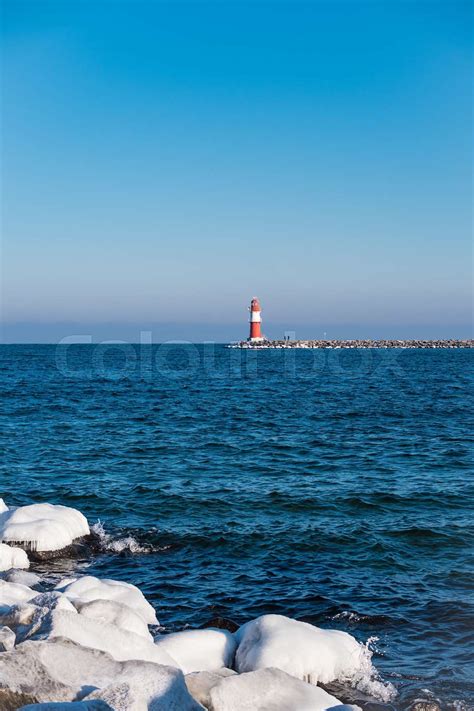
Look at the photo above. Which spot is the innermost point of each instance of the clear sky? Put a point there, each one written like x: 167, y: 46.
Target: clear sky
x: 163, y: 162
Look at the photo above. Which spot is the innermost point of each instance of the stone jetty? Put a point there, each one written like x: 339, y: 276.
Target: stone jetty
x: 358, y: 343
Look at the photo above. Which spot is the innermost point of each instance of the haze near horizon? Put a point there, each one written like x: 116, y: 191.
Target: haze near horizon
x: 164, y: 162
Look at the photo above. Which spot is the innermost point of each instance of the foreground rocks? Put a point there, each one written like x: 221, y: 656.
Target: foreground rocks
x: 86, y: 643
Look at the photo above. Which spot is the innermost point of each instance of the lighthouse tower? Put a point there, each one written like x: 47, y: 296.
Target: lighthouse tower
x: 255, y: 321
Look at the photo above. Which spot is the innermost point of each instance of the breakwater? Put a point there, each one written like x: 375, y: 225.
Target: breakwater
x: 357, y: 343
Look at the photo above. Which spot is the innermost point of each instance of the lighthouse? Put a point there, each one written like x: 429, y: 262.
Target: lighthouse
x: 255, y: 322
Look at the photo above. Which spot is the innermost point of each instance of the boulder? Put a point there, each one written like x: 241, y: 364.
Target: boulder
x: 200, y: 683
x: 114, y: 613
x: 7, y: 639
x: 12, y: 557
x: 23, y: 577
x: 60, y: 670
x: 199, y: 650
x: 163, y: 689
x: 221, y: 623
x: 89, y: 588
x: 122, y: 645
x: 13, y: 594
x: 42, y: 528
x: 300, y: 649
x: 69, y: 706
x: 270, y: 690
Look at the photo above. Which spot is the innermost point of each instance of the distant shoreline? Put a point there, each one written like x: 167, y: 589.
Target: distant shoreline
x: 356, y: 343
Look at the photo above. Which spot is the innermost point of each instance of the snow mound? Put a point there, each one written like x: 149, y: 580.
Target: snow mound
x: 12, y: 557
x: 115, y: 613
x: 162, y: 690
x: 42, y: 527
x: 270, y: 690
x: 24, y: 577
x: 300, y: 649
x: 199, y: 650
x: 88, y: 588
x: 14, y: 593
x: 63, y: 671
x: 68, y: 706
x: 120, y: 644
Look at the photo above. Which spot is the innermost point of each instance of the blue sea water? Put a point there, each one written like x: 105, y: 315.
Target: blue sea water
x: 333, y: 486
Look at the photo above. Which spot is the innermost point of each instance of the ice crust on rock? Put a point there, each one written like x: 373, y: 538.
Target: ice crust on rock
x: 14, y: 593
x: 114, y: 613
x: 200, y: 683
x: 24, y: 577
x: 199, y: 650
x: 12, y: 557
x: 298, y: 648
x: 68, y: 706
x: 89, y: 588
x: 159, y: 689
x: 120, y: 644
x: 7, y: 638
x: 61, y: 670
x: 42, y: 527
x: 270, y: 690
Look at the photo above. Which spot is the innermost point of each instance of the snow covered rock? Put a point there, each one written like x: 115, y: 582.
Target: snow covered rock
x: 115, y: 613
x: 89, y: 588
x: 42, y: 527
x: 24, y: 577
x: 3, y: 506
x: 300, y: 649
x: 199, y: 650
x: 12, y: 557
x: 200, y: 683
x: 162, y: 689
x: 60, y: 670
x: 270, y: 690
x: 120, y: 644
x: 14, y: 593
x: 68, y: 706
x: 7, y: 639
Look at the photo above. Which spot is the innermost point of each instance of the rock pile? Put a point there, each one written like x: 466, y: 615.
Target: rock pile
x: 364, y: 343
x: 91, y: 644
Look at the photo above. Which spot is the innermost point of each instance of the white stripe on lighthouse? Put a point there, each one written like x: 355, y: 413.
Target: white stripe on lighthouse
x: 255, y: 317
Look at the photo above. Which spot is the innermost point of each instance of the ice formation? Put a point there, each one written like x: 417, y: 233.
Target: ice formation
x: 63, y: 671
x: 42, y: 527
x: 298, y: 648
x: 120, y: 644
x: 88, y: 588
x: 267, y: 689
x: 12, y: 557
x: 114, y: 613
x: 14, y: 593
x: 199, y: 650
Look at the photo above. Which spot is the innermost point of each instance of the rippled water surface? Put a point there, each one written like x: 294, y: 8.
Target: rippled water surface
x: 332, y: 486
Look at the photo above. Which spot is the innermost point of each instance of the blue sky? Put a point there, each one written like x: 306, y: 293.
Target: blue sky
x: 163, y: 162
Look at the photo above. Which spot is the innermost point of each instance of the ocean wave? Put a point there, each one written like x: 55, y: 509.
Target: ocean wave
x: 122, y: 544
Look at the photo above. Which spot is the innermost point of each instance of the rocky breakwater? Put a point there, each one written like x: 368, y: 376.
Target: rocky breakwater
x: 94, y: 644
x: 358, y: 343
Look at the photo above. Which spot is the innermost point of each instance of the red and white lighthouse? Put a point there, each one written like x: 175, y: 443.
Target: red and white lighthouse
x: 255, y: 321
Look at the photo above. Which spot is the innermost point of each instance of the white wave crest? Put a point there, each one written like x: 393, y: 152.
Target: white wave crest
x: 117, y: 545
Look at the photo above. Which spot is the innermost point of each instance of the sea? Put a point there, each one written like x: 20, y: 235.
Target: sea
x: 331, y: 486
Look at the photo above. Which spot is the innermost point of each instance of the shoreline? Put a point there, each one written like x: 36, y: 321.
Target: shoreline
x: 355, y: 344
